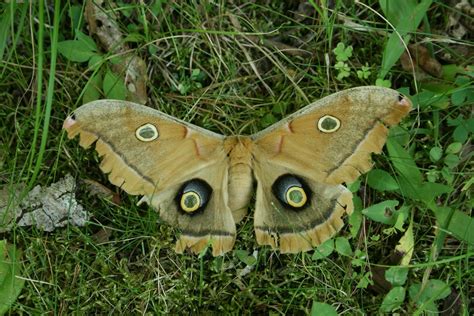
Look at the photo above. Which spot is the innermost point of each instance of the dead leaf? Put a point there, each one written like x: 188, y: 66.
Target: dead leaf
x: 102, y: 236
x: 460, y: 20
x: 424, y: 63
x: 98, y: 189
x: 102, y: 23
x: 406, y: 245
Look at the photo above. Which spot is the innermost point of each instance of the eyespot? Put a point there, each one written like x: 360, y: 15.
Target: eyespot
x: 291, y: 191
x: 147, y: 133
x: 296, y: 197
x: 193, y: 196
x: 190, y: 201
x: 328, y: 124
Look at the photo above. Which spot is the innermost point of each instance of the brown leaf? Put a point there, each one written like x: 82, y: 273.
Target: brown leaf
x: 103, y: 235
x: 103, y: 24
x: 424, y: 63
x: 98, y: 189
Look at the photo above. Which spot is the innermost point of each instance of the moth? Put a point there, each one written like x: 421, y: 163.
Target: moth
x: 202, y: 182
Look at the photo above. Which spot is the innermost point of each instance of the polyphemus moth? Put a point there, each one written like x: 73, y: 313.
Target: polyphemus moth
x: 202, y: 182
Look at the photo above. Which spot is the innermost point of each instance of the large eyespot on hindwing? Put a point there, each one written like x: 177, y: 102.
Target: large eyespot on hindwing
x: 292, y: 192
x: 193, y: 196
x: 147, y: 132
x: 328, y: 124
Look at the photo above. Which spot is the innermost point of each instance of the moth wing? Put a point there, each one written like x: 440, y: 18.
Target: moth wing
x: 146, y: 152
x: 318, y: 148
x: 332, y: 139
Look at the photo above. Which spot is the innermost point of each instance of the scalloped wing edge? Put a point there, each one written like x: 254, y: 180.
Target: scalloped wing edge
x: 220, y: 243
x: 361, y: 161
x: 112, y: 164
x: 308, y: 239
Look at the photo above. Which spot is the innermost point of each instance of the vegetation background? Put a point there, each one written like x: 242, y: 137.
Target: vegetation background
x: 237, y: 67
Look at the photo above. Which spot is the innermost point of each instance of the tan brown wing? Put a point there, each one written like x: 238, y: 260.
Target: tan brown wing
x: 332, y: 139
x: 146, y: 152
x: 292, y: 224
x: 309, y: 154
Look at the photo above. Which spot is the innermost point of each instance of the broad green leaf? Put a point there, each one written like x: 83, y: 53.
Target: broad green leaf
x: 381, y: 180
x: 454, y: 148
x: 10, y: 284
x: 403, y: 213
x: 320, y: 309
x: 354, y: 186
x: 447, y: 175
x: 114, y: 86
x: 409, y: 189
x: 429, y: 98
x: 244, y: 256
x: 460, y: 224
x: 93, y: 89
x: 392, y: 52
x: 268, y: 119
x: 87, y: 41
x: 76, y: 15
x: 400, y: 135
x: 434, y: 290
x: 383, y: 83
x: 436, y: 153
x: 383, y: 212
x: 396, y: 275
x: 460, y: 134
x: 393, y: 299
x: 75, y: 51
x: 411, y: 18
x: 463, y: 128
x: 342, y: 52
x: 355, y: 219
x: 280, y: 108
x: 428, y: 191
x: 343, y: 246
x: 395, y: 10
x: 403, y: 162
x: 450, y: 71
x: 451, y: 160
x: 95, y: 62
x: 365, y: 280
x: 407, y: 18
x: 324, y: 250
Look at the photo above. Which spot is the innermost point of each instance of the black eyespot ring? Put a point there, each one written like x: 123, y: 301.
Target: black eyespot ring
x: 292, y: 192
x: 193, y: 196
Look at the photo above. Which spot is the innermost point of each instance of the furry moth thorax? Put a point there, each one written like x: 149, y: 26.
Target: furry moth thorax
x: 202, y: 182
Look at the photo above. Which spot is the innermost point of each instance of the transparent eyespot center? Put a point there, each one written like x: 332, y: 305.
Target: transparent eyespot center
x: 147, y: 133
x: 190, y: 201
x: 296, y: 197
x: 328, y: 124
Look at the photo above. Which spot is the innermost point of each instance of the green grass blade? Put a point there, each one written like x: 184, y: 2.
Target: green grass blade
x: 49, y: 95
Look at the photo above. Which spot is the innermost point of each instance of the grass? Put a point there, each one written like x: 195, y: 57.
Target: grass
x: 235, y: 69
